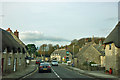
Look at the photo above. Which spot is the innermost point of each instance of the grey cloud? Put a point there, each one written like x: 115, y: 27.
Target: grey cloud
x: 38, y: 36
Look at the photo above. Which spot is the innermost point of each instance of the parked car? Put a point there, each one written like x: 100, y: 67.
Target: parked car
x: 44, y: 67
x: 39, y: 61
x: 54, y: 63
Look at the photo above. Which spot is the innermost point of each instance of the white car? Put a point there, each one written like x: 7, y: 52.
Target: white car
x: 68, y: 63
x: 54, y: 63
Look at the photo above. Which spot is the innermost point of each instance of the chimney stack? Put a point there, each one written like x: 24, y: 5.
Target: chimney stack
x: 9, y: 30
x: 16, y: 33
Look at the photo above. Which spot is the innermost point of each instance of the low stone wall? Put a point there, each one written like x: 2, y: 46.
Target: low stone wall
x: 96, y: 68
x: 90, y: 68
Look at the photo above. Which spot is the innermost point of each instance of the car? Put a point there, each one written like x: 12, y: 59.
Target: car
x: 68, y: 63
x: 44, y: 67
x: 39, y: 61
x: 54, y: 63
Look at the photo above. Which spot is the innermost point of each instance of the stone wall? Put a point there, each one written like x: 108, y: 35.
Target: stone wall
x: 89, y: 55
x: 112, y: 58
x: 9, y: 59
x: 102, y: 61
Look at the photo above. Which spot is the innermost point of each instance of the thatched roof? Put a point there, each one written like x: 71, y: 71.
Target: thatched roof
x: 114, y: 36
x: 8, y: 41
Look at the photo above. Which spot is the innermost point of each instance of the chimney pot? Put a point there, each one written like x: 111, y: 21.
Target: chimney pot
x: 16, y: 33
x: 9, y: 30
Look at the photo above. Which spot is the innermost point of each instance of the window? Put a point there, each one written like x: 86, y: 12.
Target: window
x: 20, y: 61
x: 9, y: 61
x: 109, y: 46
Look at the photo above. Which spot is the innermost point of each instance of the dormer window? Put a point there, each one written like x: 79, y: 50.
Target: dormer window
x: 109, y: 46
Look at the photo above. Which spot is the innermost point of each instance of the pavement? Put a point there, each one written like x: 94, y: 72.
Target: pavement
x: 19, y: 74
x: 95, y: 74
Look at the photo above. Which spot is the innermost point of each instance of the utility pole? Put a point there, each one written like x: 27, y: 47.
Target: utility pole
x: 73, y: 54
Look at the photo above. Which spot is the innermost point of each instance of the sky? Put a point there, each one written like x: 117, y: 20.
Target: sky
x: 58, y: 22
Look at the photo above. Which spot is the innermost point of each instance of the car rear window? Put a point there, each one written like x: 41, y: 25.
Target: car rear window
x: 44, y: 64
x: 54, y: 61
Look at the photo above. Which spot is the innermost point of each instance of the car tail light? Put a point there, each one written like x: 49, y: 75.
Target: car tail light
x: 40, y: 66
x: 49, y: 67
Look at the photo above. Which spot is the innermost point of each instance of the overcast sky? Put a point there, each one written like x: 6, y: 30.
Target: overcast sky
x: 59, y: 22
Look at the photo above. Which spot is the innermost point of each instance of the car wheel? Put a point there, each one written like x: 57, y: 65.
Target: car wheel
x: 39, y: 71
x: 50, y: 71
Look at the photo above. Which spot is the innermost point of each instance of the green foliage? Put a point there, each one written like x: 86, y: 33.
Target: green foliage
x: 85, y: 63
x: 88, y: 63
x: 31, y: 48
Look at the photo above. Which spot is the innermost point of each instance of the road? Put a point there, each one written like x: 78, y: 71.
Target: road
x: 58, y: 73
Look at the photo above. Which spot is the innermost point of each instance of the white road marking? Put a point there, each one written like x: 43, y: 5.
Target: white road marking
x: 56, y: 74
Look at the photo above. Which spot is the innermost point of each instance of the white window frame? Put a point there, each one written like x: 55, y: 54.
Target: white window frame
x: 9, y: 61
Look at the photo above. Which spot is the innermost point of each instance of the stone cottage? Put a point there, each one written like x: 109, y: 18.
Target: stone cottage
x: 16, y: 37
x: 13, y: 54
x: 61, y: 55
x: 90, y: 52
x: 112, y: 50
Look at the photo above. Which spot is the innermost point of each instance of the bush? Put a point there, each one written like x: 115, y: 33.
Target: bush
x: 85, y: 63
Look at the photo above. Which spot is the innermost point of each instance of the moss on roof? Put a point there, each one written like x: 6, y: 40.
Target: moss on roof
x: 8, y: 41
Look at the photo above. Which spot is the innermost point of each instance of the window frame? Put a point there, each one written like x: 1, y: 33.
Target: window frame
x: 110, y: 46
x: 9, y: 61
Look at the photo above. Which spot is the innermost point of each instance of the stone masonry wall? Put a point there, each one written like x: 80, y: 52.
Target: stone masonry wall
x: 111, y: 60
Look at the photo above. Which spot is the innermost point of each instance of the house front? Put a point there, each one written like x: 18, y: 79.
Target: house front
x: 13, y: 54
x: 61, y: 55
x: 112, y: 50
x: 90, y: 53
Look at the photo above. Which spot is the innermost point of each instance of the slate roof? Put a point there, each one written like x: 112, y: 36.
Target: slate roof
x: 20, y: 42
x: 96, y: 46
x: 8, y: 41
x: 114, y: 36
x: 100, y: 49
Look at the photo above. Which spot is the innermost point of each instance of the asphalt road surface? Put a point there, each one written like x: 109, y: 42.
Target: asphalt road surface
x: 58, y: 73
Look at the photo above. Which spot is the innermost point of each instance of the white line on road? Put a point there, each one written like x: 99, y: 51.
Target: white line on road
x: 56, y: 74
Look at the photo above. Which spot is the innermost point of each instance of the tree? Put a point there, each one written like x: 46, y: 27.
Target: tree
x: 46, y: 49
x: 31, y: 49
